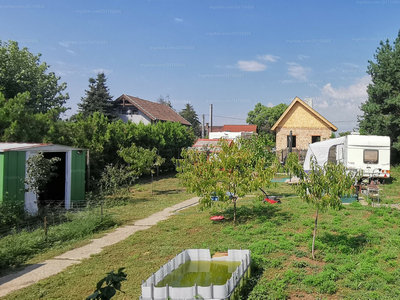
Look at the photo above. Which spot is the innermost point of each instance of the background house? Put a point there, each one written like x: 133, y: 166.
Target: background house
x: 234, y: 131
x: 65, y: 189
x: 306, y: 124
x: 138, y: 110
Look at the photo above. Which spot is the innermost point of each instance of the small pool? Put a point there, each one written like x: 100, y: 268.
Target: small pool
x: 193, y: 273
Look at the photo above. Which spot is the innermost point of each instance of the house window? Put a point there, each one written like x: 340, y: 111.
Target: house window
x: 371, y: 156
x: 315, y: 138
x: 332, y: 154
x: 293, y: 141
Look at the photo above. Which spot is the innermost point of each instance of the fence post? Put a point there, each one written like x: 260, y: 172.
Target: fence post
x: 45, y: 229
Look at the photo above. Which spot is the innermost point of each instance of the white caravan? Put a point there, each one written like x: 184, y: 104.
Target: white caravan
x: 369, y: 153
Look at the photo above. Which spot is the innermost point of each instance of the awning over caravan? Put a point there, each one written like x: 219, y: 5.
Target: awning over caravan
x: 320, y: 151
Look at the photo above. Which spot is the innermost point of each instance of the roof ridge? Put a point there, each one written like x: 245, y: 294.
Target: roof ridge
x: 306, y: 106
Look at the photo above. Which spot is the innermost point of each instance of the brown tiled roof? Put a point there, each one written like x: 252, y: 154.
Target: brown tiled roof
x: 217, y: 128
x: 240, y: 128
x: 155, y: 111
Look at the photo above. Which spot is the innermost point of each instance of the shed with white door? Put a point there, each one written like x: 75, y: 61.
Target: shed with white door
x: 66, y: 189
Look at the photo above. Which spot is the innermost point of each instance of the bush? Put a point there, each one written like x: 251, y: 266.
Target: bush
x: 11, y: 213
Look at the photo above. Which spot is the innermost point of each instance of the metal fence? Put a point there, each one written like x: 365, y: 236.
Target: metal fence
x: 283, y: 154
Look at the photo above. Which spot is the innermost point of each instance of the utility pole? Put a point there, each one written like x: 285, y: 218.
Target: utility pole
x: 211, y: 111
x: 202, y: 127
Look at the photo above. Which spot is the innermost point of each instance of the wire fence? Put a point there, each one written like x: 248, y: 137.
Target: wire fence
x: 13, y: 218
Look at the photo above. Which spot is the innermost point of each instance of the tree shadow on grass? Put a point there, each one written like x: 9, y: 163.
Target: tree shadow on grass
x: 166, y: 192
x: 260, y: 213
x: 343, y: 242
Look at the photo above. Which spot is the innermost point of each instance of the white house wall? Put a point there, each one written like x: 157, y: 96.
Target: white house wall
x: 140, y: 117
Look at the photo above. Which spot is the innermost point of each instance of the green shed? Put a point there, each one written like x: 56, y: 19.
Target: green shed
x: 66, y: 189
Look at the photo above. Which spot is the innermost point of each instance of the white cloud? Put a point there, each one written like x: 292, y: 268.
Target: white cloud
x: 270, y: 105
x: 250, y: 66
x: 70, y: 51
x: 297, y: 71
x: 302, y: 57
x: 64, y: 44
x: 340, y: 105
x: 358, y: 90
x: 268, y: 57
x: 178, y: 20
x: 351, y: 65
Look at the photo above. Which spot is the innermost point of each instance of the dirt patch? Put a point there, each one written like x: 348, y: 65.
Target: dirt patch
x: 308, y: 260
x: 194, y: 230
x: 301, y: 295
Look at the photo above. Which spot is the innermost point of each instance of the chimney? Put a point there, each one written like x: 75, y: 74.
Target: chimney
x: 309, y: 102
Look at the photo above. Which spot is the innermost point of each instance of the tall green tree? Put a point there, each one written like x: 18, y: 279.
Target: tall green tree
x: 18, y: 123
x: 381, y: 112
x: 191, y: 116
x: 22, y: 71
x: 265, y: 117
x: 97, y: 99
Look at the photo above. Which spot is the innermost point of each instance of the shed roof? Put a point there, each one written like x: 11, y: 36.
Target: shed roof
x: 309, y: 109
x: 154, y: 111
x: 4, y: 147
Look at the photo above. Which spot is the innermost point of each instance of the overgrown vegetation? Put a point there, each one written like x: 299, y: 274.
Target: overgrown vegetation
x: 355, y: 250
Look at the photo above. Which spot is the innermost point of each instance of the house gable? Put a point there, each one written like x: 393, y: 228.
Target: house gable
x: 300, y: 115
x: 304, y: 124
x: 147, y: 111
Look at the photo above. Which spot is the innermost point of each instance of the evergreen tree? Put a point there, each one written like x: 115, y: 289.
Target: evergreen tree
x: 191, y: 116
x: 382, y: 109
x: 98, y: 99
x: 165, y: 101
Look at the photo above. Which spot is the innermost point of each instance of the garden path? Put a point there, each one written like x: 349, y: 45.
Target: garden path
x: 36, y: 272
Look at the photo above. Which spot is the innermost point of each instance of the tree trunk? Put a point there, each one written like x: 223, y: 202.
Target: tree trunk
x: 234, y: 210
x: 315, y: 233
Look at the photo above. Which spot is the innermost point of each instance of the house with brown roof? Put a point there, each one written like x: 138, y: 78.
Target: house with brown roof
x: 139, y: 110
x: 306, y: 124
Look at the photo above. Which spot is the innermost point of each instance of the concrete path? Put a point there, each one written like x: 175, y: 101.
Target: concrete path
x: 36, y: 272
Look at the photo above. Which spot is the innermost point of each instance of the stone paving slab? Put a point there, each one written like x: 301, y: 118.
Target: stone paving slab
x: 36, y: 272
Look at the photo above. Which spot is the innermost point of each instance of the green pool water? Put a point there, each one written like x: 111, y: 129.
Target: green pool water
x: 202, y: 273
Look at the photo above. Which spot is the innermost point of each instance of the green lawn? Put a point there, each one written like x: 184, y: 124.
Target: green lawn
x: 357, y: 252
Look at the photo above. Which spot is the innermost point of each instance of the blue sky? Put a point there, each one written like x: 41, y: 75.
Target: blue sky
x: 232, y: 54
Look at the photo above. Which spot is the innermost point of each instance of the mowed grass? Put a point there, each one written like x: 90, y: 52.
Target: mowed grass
x: 25, y: 248
x: 390, y: 189
x: 357, y: 252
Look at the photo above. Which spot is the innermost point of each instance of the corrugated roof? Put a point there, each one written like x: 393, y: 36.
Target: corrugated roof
x: 4, y: 147
x: 240, y: 128
x: 16, y: 146
x: 155, y: 111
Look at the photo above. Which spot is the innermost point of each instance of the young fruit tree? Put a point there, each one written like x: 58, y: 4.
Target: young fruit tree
x: 228, y: 171
x: 39, y: 171
x: 323, y: 186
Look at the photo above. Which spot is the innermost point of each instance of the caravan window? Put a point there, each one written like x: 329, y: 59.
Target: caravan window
x: 371, y: 156
x: 332, y: 154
